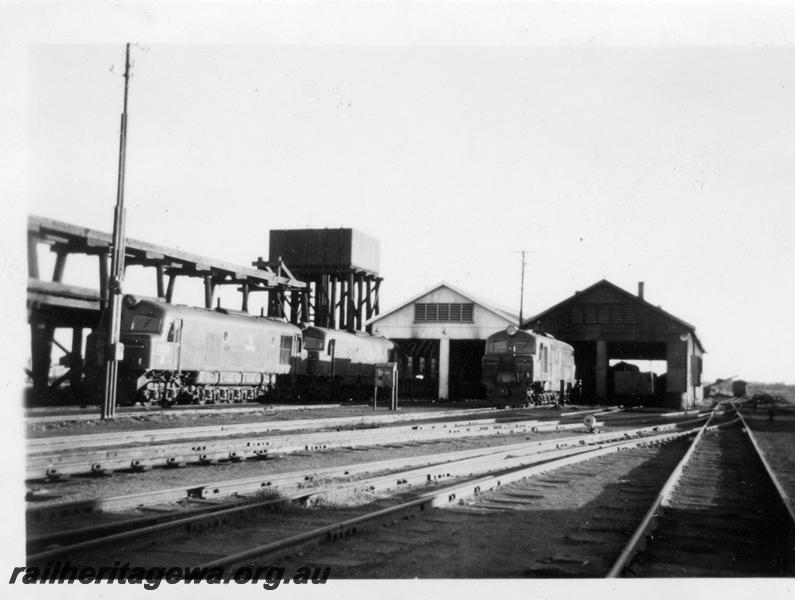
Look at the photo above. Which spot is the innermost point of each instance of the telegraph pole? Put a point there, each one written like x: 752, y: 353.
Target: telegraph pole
x: 114, y: 350
x: 521, y: 293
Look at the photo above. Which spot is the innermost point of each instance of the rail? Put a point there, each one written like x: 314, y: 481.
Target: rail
x: 662, y: 497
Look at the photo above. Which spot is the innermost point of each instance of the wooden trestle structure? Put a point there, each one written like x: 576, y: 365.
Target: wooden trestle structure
x: 53, y: 304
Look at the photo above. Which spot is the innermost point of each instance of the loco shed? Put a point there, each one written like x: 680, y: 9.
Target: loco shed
x: 606, y: 324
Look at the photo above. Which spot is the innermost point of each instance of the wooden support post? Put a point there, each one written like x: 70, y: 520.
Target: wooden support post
x: 170, y: 287
x: 341, y: 323
x: 369, y: 301
x: 159, y: 275
x: 333, y: 303
x: 103, y: 280
x: 376, y: 296
x: 60, y: 263
x: 245, y: 290
x: 359, y: 294
x: 272, y: 303
x: 209, y: 291
x: 320, y: 303
x: 305, y: 303
x: 33, y: 257
x: 76, y: 362
x: 350, y: 323
x: 281, y: 299
x: 331, y: 296
x: 41, y: 353
x: 295, y: 307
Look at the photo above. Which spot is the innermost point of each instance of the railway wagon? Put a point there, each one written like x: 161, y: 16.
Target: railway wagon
x: 521, y: 367
x: 338, y: 364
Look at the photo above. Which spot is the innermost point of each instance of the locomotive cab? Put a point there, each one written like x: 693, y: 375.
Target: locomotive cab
x: 508, y: 365
x: 151, y: 339
x: 522, y: 367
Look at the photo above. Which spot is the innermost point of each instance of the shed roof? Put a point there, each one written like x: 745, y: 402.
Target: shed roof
x: 508, y: 316
x: 630, y: 297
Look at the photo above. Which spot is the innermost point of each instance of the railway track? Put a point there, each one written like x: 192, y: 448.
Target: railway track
x: 48, y: 512
x: 565, y: 507
x: 567, y: 521
x: 724, y: 513
x: 53, y: 457
x: 307, y: 527
x: 717, y: 514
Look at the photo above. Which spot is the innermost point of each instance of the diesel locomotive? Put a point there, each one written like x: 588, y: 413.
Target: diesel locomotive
x: 180, y: 354
x: 523, y: 368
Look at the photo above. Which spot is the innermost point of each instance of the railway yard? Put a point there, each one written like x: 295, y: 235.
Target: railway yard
x: 229, y: 383
x: 429, y: 491
x: 321, y: 439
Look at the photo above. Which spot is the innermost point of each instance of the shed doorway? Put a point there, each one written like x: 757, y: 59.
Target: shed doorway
x: 465, y: 369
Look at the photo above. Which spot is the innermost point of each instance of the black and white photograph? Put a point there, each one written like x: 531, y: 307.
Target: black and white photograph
x: 386, y: 298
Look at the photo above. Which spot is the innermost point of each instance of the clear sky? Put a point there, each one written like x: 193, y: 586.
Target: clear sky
x: 654, y: 146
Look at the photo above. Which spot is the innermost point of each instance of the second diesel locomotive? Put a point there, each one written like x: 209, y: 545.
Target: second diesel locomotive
x: 180, y: 354
x: 521, y: 367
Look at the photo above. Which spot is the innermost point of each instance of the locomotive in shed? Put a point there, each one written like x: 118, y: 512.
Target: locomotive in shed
x: 521, y: 368
x: 180, y: 354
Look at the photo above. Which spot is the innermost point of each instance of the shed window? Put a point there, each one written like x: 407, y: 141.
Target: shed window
x: 455, y: 312
x: 443, y: 312
x: 604, y: 313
